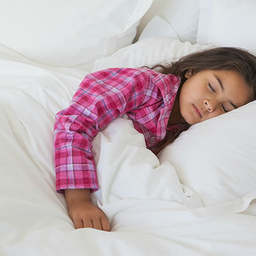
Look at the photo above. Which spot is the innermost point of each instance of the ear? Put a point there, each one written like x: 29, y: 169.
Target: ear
x: 189, y: 73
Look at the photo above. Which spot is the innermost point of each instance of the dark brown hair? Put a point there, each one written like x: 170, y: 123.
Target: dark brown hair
x: 220, y: 58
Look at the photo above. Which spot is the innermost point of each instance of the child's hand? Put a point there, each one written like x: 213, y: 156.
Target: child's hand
x: 83, y: 212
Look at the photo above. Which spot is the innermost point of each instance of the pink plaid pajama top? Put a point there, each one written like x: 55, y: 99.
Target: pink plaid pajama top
x: 144, y: 95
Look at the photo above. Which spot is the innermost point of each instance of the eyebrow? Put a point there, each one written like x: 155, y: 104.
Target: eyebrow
x: 222, y: 88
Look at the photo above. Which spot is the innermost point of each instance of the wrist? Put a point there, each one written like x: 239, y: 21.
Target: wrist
x: 75, y: 195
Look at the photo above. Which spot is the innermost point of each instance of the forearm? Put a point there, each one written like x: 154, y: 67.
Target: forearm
x: 74, y: 161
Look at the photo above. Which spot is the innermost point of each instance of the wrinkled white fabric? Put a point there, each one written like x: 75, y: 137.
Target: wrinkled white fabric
x: 144, y: 201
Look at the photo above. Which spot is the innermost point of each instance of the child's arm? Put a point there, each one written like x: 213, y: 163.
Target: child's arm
x: 83, y: 212
x: 102, y: 96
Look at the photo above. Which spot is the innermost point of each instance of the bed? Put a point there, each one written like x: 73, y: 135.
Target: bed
x: 197, y: 197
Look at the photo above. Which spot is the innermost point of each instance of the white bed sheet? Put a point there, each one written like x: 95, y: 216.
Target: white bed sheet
x: 148, y: 215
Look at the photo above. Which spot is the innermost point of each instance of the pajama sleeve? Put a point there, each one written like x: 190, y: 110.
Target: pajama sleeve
x: 101, y: 97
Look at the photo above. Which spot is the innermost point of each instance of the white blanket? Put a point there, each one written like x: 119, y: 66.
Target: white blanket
x: 143, y: 199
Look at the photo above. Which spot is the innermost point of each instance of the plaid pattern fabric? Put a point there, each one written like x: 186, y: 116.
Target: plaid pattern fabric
x: 145, y: 96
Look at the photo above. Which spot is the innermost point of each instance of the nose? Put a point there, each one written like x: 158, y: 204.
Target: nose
x: 208, y: 105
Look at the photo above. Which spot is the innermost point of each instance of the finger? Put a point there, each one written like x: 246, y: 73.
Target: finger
x: 78, y: 224
x: 87, y: 224
x: 97, y: 224
x: 105, y: 224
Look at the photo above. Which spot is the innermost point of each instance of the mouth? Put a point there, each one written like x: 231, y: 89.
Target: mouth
x: 197, y: 111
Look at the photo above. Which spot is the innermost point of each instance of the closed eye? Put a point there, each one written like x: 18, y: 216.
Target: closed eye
x: 210, y: 86
x: 224, y: 109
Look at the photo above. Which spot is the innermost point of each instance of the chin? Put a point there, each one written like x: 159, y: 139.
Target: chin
x: 189, y: 121
x: 192, y: 122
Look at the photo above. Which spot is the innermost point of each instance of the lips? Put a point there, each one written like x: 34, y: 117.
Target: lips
x: 197, y: 111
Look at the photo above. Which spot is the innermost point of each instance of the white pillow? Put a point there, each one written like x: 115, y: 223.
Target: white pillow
x: 158, y: 27
x: 182, y: 15
x: 149, y: 51
x: 70, y: 33
x: 228, y: 23
x: 216, y: 159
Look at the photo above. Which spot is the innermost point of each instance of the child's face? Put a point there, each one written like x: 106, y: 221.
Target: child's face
x: 210, y: 93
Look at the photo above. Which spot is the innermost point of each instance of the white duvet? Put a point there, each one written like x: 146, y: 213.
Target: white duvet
x: 149, y: 208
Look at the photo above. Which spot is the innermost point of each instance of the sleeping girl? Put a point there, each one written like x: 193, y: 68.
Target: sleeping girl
x: 162, y: 102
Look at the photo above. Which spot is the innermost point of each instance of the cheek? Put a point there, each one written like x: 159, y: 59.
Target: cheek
x: 187, y: 97
x: 184, y: 95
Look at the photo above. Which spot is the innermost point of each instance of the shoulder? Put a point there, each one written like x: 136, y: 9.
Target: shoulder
x: 126, y: 72
x: 142, y: 77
